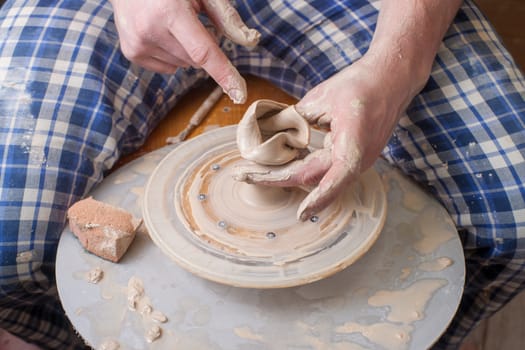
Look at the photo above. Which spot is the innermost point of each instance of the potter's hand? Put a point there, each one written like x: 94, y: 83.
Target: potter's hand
x: 163, y: 35
x: 361, y: 105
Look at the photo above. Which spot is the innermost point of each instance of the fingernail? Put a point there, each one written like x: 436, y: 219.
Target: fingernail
x: 304, y: 215
x: 237, y: 96
x: 304, y: 212
x: 252, y: 36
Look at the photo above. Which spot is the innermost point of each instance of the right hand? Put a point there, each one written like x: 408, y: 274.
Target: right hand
x: 164, y: 35
x: 360, y: 106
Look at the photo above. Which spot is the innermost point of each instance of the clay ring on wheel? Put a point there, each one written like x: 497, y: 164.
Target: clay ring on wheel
x: 272, y: 133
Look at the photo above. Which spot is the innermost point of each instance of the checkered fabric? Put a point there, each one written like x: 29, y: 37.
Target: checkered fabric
x: 71, y: 104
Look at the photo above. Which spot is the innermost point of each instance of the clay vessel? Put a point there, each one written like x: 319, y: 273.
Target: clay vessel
x: 272, y: 133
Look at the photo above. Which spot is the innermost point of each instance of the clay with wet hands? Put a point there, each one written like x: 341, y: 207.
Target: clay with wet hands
x: 275, y: 137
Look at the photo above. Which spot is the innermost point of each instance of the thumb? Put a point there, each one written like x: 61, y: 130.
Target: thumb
x: 227, y: 20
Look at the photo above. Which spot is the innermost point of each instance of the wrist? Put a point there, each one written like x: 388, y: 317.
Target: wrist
x: 407, y: 69
x: 400, y: 77
x: 407, y: 37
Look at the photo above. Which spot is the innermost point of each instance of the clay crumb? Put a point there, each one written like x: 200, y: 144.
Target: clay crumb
x: 153, y: 333
x: 139, y: 302
x: 95, y: 275
x: 109, y: 345
x: 158, y: 316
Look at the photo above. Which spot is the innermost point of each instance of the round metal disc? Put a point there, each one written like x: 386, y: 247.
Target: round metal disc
x: 248, y: 235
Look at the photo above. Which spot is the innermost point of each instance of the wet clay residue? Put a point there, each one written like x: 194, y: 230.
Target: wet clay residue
x: 109, y: 344
x: 387, y: 335
x: 140, y: 303
x: 405, y: 306
x: 437, y: 264
x: 95, y: 275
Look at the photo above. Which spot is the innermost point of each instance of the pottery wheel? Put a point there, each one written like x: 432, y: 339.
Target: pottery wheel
x: 400, y: 295
x: 248, y: 235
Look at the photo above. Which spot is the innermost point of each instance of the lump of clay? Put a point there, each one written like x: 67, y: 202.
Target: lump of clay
x: 272, y: 133
x: 102, y: 229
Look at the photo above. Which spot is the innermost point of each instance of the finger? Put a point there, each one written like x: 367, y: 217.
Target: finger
x: 205, y: 53
x: 345, y: 168
x: 152, y: 57
x: 166, y: 57
x: 168, y: 49
x: 329, y: 188
x: 227, y: 20
x: 313, y: 107
x: 155, y: 65
x: 309, y: 111
x: 299, y: 173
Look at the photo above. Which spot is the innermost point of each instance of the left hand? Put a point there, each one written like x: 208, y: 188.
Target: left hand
x: 361, y: 106
x: 163, y: 35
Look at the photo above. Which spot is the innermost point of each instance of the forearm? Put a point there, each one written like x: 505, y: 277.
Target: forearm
x: 408, y: 36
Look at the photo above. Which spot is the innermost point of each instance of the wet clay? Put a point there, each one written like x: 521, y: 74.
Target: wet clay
x: 432, y: 236
x: 140, y: 303
x: 407, y: 305
x: 247, y: 333
x: 95, y: 275
x: 230, y: 24
x: 272, y: 133
x: 387, y: 335
x: 153, y: 333
x: 109, y: 345
x: 437, y: 264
